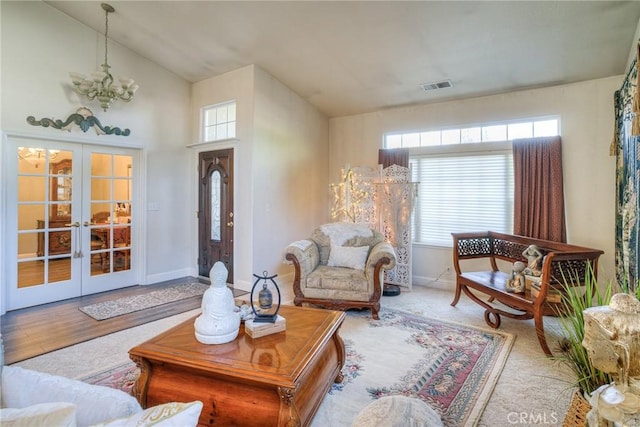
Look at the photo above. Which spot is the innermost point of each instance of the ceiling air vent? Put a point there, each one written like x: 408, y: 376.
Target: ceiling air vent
x: 436, y: 85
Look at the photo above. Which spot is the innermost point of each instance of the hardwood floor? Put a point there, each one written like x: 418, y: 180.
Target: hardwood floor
x: 33, y: 331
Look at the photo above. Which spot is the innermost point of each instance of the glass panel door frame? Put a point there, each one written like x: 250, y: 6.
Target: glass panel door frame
x: 77, y: 238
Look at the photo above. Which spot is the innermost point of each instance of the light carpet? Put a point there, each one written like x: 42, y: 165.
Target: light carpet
x: 532, y: 389
x: 451, y: 367
x: 118, y: 307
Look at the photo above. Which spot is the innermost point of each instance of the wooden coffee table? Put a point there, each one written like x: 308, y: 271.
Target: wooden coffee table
x: 278, y: 379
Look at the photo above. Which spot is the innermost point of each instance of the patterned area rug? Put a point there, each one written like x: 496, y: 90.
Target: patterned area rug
x: 453, y: 368
x: 122, y: 377
x: 126, y: 305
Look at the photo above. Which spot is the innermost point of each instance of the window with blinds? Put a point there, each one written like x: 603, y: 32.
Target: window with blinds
x: 461, y: 192
x: 465, y: 176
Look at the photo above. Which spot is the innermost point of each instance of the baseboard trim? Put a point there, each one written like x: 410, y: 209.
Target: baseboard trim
x: 434, y: 282
x: 166, y: 276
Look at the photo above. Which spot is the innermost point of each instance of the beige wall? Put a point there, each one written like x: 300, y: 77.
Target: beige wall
x: 290, y: 172
x: 40, y: 46
x: 281, y: 160
x: 586, y: 113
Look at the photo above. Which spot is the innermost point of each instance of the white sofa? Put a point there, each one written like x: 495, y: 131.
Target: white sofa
x: 23, y: 388
x: 29, y: 398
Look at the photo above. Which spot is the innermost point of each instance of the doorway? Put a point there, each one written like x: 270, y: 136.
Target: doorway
x: 215, y: 211
x: 71, y: 220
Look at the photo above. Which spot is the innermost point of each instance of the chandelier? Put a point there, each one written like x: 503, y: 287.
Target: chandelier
x: 36, y: 156
x: 101, y: 84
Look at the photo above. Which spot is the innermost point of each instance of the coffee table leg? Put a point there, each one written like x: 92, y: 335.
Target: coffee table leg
x: 293, y: 418
x: 341, y: 356
x: 141, y: 385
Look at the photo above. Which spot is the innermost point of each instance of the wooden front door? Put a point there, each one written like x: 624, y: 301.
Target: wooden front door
x: 215, y: 213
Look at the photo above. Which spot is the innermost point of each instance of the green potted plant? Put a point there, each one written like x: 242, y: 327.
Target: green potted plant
x: 571, y: 323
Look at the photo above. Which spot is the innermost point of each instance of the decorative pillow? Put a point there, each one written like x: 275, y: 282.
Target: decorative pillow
x: 324, y: 241
x: 172, y: 414
x: 57, y: 414
x: 351, y: 257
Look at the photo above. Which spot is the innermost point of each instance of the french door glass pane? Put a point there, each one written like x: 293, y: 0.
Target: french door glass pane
x: 121, y: 166
x: 28, y: 215
x: 28, y: 244
x: 100, y: 189
x: 100, y: 164
x: 100, y: 212
x: 30, y: 273
x: 32, y: 160
x: 31, y: 188
x: 59, y: 269
x: 121, y: 189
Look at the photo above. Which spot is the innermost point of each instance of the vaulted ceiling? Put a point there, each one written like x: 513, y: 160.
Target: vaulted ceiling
x: 349, y: 57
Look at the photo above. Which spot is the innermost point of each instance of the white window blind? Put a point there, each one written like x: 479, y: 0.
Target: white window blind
x: 461, y: 192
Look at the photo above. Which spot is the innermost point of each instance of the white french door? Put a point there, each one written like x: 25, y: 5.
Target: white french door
x: 71, y: 220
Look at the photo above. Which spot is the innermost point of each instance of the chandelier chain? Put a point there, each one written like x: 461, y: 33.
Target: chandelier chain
x: 106, y: 32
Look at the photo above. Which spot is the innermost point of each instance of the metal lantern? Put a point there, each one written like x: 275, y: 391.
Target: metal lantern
x: 267, y: 311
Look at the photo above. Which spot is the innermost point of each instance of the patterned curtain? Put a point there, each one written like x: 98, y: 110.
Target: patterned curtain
x: 625, y: 146
x: 538, y: 206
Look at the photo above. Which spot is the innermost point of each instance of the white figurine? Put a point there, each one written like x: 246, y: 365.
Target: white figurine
x: 219, y: 322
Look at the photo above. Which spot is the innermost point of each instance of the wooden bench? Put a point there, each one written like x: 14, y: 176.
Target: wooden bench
x: 560, y: 261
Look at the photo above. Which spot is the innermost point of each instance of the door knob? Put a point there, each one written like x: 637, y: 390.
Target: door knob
x: 88, y: 223
x: 73, y: 224
x: 230, y: 224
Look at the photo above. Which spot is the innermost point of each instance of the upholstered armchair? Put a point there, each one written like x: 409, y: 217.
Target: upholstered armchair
x: 341, y: 266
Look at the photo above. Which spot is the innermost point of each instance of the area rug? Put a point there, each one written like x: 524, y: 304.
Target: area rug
x: 453, y: 368
x: 121, y: 377
x: 118, y: 307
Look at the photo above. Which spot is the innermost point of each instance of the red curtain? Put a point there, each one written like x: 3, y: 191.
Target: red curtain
x: 539, y: 193
x: 393, y: 156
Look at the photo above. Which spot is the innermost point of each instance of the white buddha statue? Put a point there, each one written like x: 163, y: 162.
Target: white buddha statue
x: 219, y: 322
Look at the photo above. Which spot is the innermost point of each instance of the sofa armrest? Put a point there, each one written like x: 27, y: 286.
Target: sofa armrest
x: 304, y: 254
x: 24, y: 387
x: 379, y: 252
